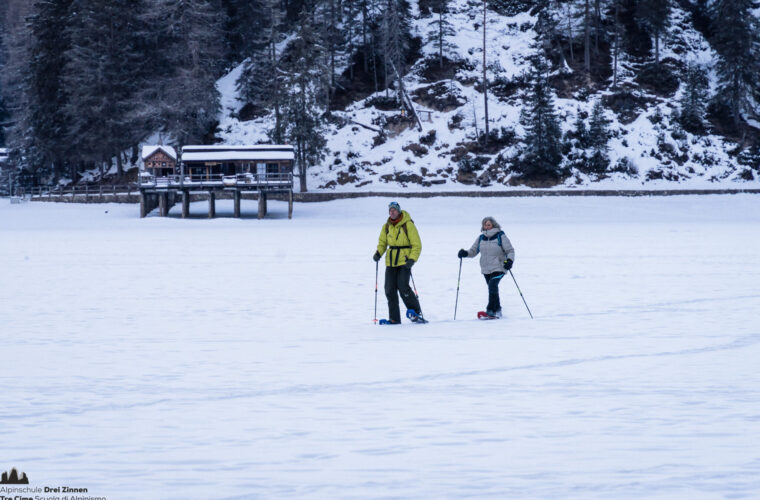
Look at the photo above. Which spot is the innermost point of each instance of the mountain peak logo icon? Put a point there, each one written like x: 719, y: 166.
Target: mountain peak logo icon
x: 13, y: 478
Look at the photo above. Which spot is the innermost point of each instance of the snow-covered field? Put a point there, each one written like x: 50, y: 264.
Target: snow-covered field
x: 169, y: 358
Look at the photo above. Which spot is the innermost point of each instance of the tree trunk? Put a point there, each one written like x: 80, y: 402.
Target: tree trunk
x: 364, y: 38
x: 302, y: 141
x: 302, y: 165
x: 440, y: 33
x: 374, y: 61
x: 617, y: 42
x: 570, y: 33
x: 597, y: 17
x: 736, y: 98
x: 587, y: 40
x: 475, y: 119
x: 657, y: 47
x: 119, y: 166
x: 333, y: 27
x: 351, y: 14
x: 485, y: 78
x: 556, y: 39
x: 385, y: 78
x: 276, y: 93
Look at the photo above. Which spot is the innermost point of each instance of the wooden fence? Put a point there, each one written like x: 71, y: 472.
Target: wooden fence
x: 123, y: 192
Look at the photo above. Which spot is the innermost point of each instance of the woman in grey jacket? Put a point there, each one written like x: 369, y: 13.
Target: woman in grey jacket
x: 496, y: 256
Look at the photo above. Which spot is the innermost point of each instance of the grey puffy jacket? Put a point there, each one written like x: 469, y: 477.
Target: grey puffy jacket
x: 492, y: 256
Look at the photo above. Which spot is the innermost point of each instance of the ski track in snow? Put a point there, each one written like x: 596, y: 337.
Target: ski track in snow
x: 169, y: 358
x: 384, y: 384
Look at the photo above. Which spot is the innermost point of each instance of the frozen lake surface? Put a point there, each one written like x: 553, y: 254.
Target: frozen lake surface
x: 168, y: 358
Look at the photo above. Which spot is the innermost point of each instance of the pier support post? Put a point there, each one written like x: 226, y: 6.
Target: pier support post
x: 185, y: 204
x: 290, y: 204
x: 237, y: 203
x: 143, y: 205
x: 163, y: 204
x: 262, y: 205
x: 211, y: 204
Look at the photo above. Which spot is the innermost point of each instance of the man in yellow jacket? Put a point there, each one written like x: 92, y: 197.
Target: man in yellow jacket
x: 400, y: 237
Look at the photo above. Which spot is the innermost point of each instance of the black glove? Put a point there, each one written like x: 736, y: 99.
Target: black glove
x: 508, y: 264
x: 409, y: 263
x: 376, y: 257
x: 462, y: 254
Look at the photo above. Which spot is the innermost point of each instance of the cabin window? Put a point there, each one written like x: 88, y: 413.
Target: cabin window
x: 273, y: 168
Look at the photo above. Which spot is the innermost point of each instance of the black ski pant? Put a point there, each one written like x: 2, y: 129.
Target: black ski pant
x: 397, y: 282
x: 493, y: 280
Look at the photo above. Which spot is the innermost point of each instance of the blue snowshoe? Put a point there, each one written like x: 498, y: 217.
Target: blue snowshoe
x: 414, y: 317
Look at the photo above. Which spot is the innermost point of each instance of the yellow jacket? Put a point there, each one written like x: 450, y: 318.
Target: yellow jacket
x: 402, y: 241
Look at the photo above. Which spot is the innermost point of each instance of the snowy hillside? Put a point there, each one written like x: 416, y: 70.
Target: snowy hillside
x: 241, y: 361
x: 647, y: 149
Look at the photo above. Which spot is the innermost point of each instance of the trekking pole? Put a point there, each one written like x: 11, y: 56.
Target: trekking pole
x: 521, y: 294
x: 377, y: 264
x: 415, y: 289
x: 458, y: 278
x: 416, y: 295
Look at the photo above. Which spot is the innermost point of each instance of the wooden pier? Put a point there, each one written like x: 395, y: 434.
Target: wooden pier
x: 266, y: 170
x: 164, y: 192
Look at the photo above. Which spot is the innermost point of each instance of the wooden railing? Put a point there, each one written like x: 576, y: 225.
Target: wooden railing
x: 215, y: 180
x: 100, y: 191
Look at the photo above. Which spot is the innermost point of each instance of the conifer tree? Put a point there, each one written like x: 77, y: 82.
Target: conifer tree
x: 598, y: 138
x: 395, y: 37
x: 580, y: 131
x: 693, y: 101
x: 305, y: 84
x: 736, y: 36
x: 547, y: 27
x: 568, y: 14
x: 372, y: 40
x: 44, y: 116
x: 598, y: 128
x: 103, y: 75
x: 243, y: 23
x: 13, y: 73
x: 654, y: 15
x: 260, y: 82
x: 542, y: 154
x: 352, y: 20
x: 4, y: 114
x: 193, y: 50
x: 440, y: 32
x: 333, y: 38
x: 750, y: 158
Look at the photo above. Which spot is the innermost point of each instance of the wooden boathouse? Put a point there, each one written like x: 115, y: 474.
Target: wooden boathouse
x: 160, y: 161
x: 213, y: 171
